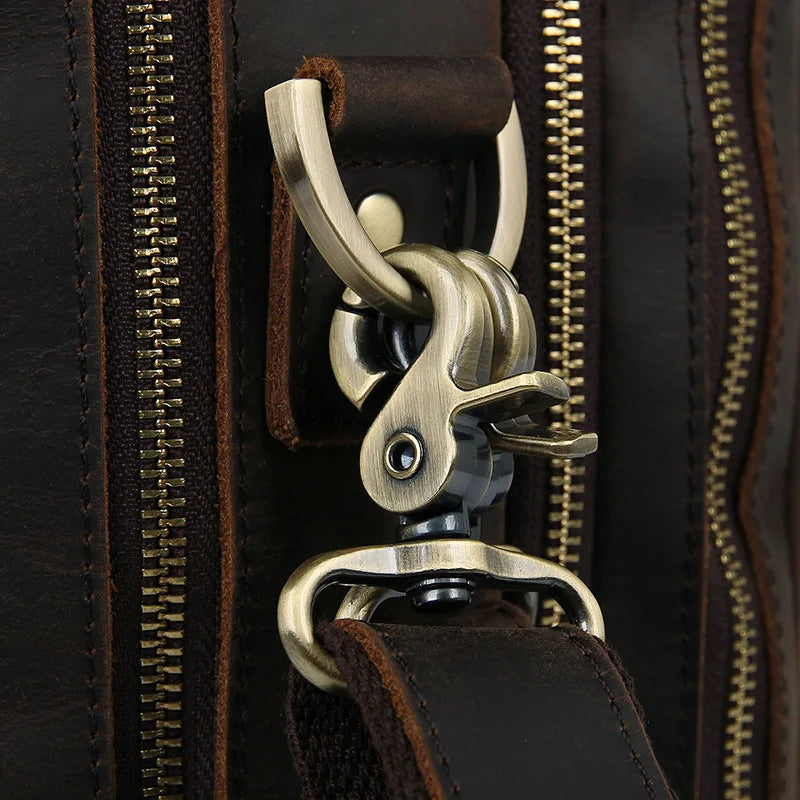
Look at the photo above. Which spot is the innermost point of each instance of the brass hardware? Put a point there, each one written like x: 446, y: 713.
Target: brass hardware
x: 382, y: 219
x: 485, y: 339
x: 449, y: 378
x: 439, y: 451
x: 512, y: 197
x: 564, y: 158
x: 398, y: 567
x: 361, y: 602
x: 513, y: 349
x: 743, y: 301
x: 533, y: 440
x: 162, y: 492
x: 354, y: 349
x: 515, y: 352
x: 303, y: 153
x: 403, y: 455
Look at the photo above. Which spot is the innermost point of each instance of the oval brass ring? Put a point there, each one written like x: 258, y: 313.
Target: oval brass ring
x: 398, y: 567
x: 296, y: 117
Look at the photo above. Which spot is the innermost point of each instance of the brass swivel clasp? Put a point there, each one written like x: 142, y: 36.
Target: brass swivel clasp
x: 443, y: 344
x: 439, y: 453
x: 464, y: 400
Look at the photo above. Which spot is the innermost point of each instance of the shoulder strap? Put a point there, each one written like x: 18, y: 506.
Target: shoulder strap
x: 445, y: 712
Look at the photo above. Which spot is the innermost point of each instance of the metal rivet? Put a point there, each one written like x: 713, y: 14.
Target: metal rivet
x: 382, y: 218
x: 403, y: 455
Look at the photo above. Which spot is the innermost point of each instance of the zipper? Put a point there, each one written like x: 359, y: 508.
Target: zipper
x: 566, y: 266
x: 567, y: 289
x: 160, y: 400
x: 155, y: 172
x: 741, y: 325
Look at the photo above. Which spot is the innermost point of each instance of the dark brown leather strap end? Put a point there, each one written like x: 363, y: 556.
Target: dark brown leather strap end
x: 392, y: 108
x: 472, y: 713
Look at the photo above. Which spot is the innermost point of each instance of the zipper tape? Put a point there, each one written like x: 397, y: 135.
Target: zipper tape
x: 155, y: 175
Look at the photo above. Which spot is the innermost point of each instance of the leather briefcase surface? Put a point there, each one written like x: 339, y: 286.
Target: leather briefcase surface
x: 380, y: 378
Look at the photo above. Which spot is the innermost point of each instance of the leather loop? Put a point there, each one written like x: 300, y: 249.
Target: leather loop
x: 472, y: 713
x: 412, y: 107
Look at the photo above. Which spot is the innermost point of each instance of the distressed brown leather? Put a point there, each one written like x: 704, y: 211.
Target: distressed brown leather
x: 478, y: 713
x: 54, y: 666
x: 663, y: 347
x: 656, y: 383
x: 395, y: 108
x: 662, y: 594
x: 406, y: 126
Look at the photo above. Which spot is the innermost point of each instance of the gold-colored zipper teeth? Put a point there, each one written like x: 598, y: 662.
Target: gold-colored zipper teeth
x: 564, y: 98
x: 741, y: 323
x: 159, y: 373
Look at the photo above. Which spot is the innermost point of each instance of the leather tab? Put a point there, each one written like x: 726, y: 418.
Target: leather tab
x: 472, y: 713
x: 412, y: 107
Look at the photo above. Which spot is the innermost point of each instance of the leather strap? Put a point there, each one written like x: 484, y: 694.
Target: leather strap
x: 768, y: 485
x: 651, y: 320
x: 412, y: 107
x: 472, y: 713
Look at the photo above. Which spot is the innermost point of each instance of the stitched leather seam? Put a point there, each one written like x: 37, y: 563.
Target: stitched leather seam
x: 784, y: 211
x: 448, y: 200
x: 789, y: 476
x: 623, y: 727
x: 690, y: 557
x: 243, y: 600
x: 776, y: 776
x: 422, y: 704
x: 86, y: 505
x: 794, y: 437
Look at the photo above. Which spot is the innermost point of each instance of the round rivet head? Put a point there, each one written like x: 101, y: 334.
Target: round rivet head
x: 403, y: 455
x: 382, y: 218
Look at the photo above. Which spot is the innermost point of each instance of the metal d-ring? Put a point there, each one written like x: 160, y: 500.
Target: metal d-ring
x: 399, y: 567
x: 296, y: 118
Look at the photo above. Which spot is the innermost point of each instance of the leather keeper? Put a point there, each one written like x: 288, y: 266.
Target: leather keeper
x: 405, y: 126
x: 396, y: 108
